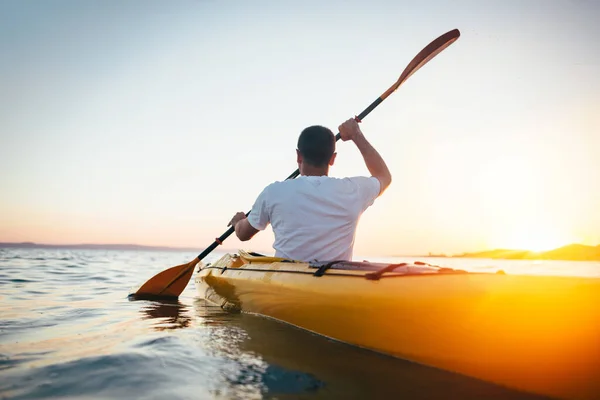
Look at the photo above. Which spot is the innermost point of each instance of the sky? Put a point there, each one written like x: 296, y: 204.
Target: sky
x: 153, y: 122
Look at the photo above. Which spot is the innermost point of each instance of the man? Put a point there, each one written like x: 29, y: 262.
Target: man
x: 314, y: 217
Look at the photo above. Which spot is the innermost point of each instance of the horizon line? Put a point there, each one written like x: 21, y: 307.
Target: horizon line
x: 131, y: 246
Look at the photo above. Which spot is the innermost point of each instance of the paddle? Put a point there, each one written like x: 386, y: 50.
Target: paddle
x: 171, y: 282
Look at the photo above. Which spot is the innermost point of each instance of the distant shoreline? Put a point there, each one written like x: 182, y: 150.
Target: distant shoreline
x: 572, y: 252
x: 91, y: 246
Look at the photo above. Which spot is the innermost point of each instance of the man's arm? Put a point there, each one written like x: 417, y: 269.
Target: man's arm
x: 350, y: 130
x: 243, y: 230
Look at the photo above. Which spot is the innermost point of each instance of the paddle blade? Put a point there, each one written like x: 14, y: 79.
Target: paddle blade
x: 431, y: 50
x: 168, y: 283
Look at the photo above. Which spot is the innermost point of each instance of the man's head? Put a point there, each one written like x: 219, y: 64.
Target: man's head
x: 316, y: 147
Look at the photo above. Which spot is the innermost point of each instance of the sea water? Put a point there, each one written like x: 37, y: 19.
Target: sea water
x: 68, y: 330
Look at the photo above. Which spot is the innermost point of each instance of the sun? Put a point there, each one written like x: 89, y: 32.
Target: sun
x: 538, y: 245
x: 535, y: 240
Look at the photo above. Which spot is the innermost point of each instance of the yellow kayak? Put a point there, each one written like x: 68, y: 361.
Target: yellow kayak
x: 540, y: 334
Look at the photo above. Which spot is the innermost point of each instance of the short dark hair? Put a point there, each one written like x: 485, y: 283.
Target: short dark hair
x: 316, y: 144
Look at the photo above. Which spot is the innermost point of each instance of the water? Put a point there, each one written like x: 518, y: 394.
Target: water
x: 67, y: 330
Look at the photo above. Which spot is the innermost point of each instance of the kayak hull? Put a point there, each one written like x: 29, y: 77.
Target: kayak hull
x: 533, y: 333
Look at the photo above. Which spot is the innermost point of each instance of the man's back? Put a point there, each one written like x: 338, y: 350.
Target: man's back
x: 314, y: 217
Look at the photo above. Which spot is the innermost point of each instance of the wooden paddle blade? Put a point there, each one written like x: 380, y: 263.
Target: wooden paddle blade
x: 168, y: 283
x: 431, y: 50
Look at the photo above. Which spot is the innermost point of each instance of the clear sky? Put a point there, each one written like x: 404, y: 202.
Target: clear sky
x: 152, y: 122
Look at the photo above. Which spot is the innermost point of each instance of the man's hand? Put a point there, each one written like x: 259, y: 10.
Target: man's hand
x: 236, y: 218
x: 349, y: 130
x: 243, y: 230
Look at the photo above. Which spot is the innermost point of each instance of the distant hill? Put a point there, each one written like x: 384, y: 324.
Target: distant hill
x: 31, y: 245
x: 572, y: 252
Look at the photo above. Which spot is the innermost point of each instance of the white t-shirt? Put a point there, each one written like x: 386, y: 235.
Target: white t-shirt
x: 314, y: 217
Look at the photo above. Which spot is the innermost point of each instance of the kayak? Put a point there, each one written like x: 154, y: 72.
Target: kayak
x: 539, y: 334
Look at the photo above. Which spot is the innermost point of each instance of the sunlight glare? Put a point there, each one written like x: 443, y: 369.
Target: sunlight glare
x: 519, y: 210
x: 536, y: 238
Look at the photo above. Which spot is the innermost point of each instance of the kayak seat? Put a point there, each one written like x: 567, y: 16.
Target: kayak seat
x: 252, y: 257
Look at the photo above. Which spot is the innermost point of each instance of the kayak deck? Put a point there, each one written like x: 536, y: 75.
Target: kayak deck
x: 534, y: 333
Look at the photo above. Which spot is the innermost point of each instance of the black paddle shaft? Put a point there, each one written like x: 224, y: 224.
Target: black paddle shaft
x: 229, y: 231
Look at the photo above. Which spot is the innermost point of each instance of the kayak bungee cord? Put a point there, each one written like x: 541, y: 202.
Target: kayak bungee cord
x: 171, y: 282
x: 371, y: 276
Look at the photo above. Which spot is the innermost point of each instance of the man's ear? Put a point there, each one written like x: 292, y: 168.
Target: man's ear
x: 298, y: 156
x: 332, y: 159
